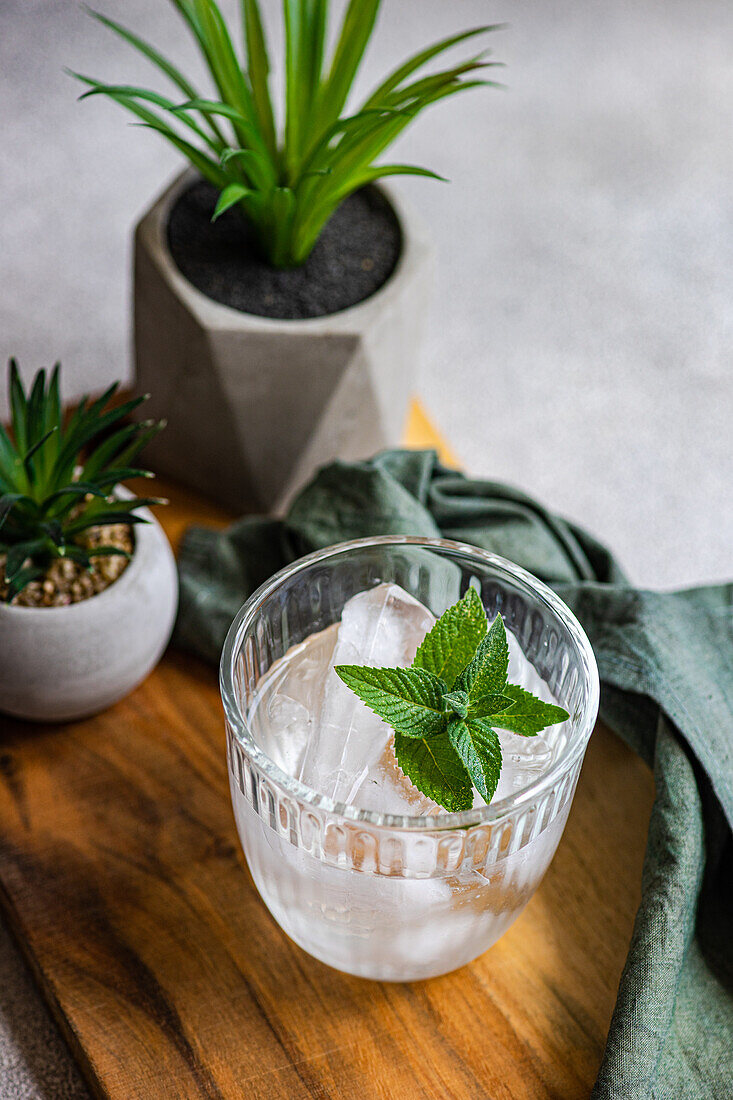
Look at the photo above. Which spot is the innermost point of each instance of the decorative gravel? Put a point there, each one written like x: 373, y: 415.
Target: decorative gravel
x: 65, y: 582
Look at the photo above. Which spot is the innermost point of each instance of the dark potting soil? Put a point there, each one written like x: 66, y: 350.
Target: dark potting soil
x: 355, y: 254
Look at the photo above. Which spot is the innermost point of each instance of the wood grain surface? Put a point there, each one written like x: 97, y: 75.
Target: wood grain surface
x: 122, y: 876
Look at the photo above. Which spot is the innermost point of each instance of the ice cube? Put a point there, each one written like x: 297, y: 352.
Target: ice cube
x: 524, y: 759
x: 522, y: 672
x: 387, y: 790
x: 282, y: 720
x: 381, y: 627
x: 291, y: 721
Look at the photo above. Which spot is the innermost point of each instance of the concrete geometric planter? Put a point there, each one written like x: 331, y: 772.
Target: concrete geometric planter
x: 62, y: 663
x: 254, y: 405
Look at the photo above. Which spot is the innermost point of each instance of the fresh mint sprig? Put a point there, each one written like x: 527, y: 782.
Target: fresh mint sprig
x: 444, y: 709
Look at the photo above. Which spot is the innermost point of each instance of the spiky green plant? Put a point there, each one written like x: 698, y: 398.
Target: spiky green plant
x: 288, y: 184
x: 57, y: 481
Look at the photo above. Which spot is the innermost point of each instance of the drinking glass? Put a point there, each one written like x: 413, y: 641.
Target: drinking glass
x: 383, y: 896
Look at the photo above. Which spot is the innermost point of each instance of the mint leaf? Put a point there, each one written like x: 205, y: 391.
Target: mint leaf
x: 435, y: 769
x: 478, y: 746
x: 410, y: 700
x: 527, y: 714
x: 457, y: 701
x: 489, y: 705
x: 449, y: 646
x: 486, y: 674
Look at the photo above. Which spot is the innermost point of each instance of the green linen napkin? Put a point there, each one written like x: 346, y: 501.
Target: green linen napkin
x: 666, y: 668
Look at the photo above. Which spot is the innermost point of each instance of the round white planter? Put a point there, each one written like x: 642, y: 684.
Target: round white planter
x: 254, y: 406
x: 60, y: 663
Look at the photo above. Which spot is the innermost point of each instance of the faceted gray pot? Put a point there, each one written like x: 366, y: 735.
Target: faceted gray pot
x: 254, y: 405
x: 62, y: 663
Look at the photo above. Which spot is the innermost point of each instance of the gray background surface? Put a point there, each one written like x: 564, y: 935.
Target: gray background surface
x: 581, y: 337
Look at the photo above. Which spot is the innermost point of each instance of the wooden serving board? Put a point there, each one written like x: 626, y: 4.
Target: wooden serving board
x: 121, y: 873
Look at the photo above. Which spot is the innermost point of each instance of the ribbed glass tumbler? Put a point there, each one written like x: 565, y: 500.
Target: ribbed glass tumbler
x: 390, y: 897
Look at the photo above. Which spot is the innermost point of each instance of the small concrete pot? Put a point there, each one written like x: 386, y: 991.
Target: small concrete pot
x: 61, y: 663
x: 254, y: 405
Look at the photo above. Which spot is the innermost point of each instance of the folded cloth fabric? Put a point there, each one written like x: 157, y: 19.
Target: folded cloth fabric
x: 666, y: 665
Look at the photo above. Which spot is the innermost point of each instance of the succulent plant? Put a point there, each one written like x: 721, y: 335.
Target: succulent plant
x: 288, y: 185
x: 57, y: 479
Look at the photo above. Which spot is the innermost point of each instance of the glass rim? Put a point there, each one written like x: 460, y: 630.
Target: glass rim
x: 482, y: 815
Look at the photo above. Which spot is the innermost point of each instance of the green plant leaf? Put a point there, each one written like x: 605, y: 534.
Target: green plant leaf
x: 419, y: 59
x: 489, y: 705
x: 356, y: 30
x: 51, y: 422
x: 208, y: 168
x: 148, y: 51
x: 186, y: 8
x: 124, y: 94
x: 104, y: 519
x: 17, y: 556
x: 22, y: 580
x: 247, y: 133
x: 418, y: 104
x: 478, y: 746
x: 7, y: 502
x: 359, y: 149
x: 122, y: 505
x: 258, y: 170
x: 96, y: 406
x: 381, y: 171
x: 54, y: 414
x: 434, y: 767
x: 367, y: 135
x: 486, y: 674
x: 282, y: 213
x: 89, y: 427
x: 349, y: 159
x: 316, y: 41
x: 18, y: 408
x: 305, y: 28
x: 526, y: 714
x: 412, y: 95
x: 457, y: 702
x: 108, y: 552
x: 223, y: 62
x: 78, y: 554
x: 53, y: 530
x: 35, y: 408
x: 78, y: 489
x: 258, y: 67
x: 360, y: 179
x: 230, y: 196
x: 9, y: 459
x: 116, y: 474
x: 108, y: 450
x: 448, y: 648
x: 120, y: 447
x: 174, y: 74
x: 355, y: 123
x: 147, y: 430
x: 28, y: 456
x: 410, y: 700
